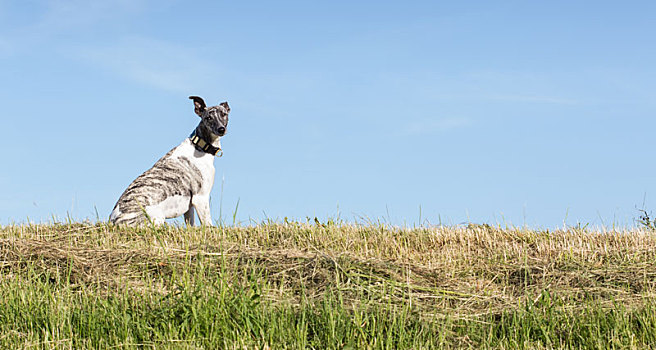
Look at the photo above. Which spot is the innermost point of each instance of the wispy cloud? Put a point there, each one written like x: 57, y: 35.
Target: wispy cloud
x: 52, y: 20
x: 532, y: 99
x: 73, y: 14
x: 159, y: 64
x: 521, y: 87
x: 428, y: 127
x: 509, y: 97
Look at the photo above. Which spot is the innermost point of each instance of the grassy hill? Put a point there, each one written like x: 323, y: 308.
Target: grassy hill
x: 313, y: 285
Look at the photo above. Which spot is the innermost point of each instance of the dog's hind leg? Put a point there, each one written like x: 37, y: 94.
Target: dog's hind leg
x: 189, y: 216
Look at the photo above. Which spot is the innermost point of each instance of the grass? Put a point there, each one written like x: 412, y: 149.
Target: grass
x: 296, y: 285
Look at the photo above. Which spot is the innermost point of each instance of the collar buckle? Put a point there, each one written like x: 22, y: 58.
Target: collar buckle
x: 205, y: 146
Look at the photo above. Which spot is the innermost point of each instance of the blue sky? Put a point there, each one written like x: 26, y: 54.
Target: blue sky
x: 508, y: 112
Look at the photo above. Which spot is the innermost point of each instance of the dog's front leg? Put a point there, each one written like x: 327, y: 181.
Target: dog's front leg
x: 202, y: 205
x: 189, y: 216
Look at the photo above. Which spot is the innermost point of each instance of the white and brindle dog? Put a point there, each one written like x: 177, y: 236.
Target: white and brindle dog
x: 181, y: 180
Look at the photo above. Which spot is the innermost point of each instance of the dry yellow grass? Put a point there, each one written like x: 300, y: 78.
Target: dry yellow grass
x: 462, y: 271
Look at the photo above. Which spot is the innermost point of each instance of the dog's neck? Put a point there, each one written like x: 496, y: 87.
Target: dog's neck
x: 208, y: 136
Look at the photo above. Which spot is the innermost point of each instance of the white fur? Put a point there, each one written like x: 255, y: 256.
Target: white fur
x: 115, y: 213
x: 171, y: 207
x: 178, y: 205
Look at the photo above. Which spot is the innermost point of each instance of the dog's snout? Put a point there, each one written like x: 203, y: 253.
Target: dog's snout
x: 221, y: 130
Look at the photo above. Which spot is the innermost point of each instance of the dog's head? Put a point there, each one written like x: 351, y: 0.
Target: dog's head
x: 215, y: 118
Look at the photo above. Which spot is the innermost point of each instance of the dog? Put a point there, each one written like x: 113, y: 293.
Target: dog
x: 181, y: 180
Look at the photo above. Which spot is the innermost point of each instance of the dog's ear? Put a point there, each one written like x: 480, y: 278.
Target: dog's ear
x: 225, y: 105
x: 199, y: 105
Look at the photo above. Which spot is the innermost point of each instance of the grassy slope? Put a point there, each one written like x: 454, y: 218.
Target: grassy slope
x: 325, y: 286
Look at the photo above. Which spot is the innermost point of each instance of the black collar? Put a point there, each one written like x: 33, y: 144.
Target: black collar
x: 205, y: 146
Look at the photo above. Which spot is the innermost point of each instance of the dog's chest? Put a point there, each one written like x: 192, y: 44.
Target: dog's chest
x: 204, y: 162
